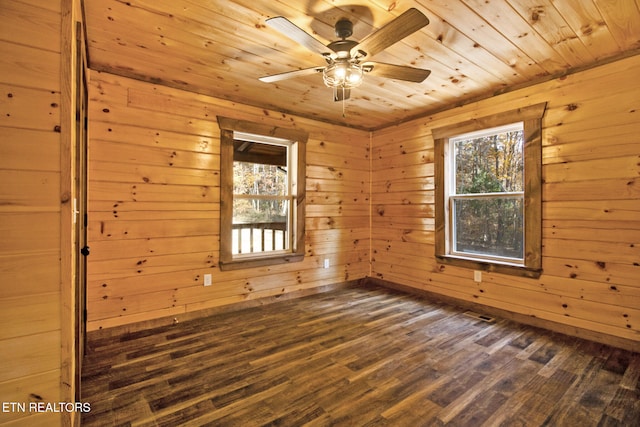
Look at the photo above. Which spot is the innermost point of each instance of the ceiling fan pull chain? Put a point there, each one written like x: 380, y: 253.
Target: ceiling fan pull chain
x: 344, y: 115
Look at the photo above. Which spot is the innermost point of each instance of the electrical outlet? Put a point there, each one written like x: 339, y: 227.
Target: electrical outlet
x: 477, y: 276
x: 207, y: 279
x: 326, y: 263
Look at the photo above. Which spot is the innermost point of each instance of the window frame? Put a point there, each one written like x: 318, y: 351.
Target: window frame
x: 452, y: 195
x: 531, y: 118
x: 289, y: 198
x: 298, y: 138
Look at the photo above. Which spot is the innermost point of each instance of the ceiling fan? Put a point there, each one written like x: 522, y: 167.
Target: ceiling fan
x: 346, y: 66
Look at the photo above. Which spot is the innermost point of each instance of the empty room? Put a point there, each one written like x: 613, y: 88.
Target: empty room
x: 320, y: 212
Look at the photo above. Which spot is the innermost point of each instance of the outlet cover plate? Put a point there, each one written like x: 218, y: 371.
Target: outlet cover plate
x: 477, y: 276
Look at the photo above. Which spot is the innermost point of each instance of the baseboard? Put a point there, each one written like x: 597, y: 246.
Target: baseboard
x: 115, y: 331
x: 586, y: 334
x: 598, y: 337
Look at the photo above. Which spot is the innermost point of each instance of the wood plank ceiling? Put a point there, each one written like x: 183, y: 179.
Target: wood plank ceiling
x: 475, y: 48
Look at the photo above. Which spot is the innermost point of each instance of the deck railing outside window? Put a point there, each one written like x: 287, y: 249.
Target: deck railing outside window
x: 259, y: 237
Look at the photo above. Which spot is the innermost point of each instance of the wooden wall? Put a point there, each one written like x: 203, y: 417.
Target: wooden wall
x: 154, y: 205
x: 36, y: 263
x: 591, y: 207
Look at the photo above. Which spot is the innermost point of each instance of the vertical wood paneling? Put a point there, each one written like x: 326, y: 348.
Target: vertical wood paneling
x: 591, y: 205
x: 154, y: 220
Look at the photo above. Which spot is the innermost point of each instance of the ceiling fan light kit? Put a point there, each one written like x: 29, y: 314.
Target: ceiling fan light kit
x: 345, y: 69
x: 343, y: 75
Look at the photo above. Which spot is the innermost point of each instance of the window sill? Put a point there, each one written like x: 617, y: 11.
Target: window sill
x: 496, y: 267
x: 260, y: 261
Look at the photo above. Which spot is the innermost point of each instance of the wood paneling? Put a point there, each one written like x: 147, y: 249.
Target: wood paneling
x: 34, y: 293
x: 155, y: 162
x: 474, y: 48
x: 591, y: 205
x: 44, y: 315
x: 19, y: 390
x: 154, y: 220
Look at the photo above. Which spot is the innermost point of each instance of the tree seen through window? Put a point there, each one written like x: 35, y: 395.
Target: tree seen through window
x: 261, y: 197
x: 487, y: 201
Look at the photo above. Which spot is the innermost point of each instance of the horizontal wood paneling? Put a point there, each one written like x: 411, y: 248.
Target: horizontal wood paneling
x: 589, y: 191
x: 154, y: 170
x: 29, y: 355
x: 30, y: 199
x: 29, y: 232
x: 591, y: 205
x: 30, y: 108
x: 35, y: 65
x: 32, y: 23
x: 18, y: 268
x: 19, y: 390
x: 37, y: 151
x: 30, y: 314
x: 474, y: 49
x: 154, y: 205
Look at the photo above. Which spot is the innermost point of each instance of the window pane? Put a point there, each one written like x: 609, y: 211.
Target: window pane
x: 489, y: 163
x: 259, y: 179
x: 491, y: 226
x: 260, y: 225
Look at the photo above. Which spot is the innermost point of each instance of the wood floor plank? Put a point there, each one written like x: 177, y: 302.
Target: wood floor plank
x: 356, y: 357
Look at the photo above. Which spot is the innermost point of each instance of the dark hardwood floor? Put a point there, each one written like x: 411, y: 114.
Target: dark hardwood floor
x: 357, y: 357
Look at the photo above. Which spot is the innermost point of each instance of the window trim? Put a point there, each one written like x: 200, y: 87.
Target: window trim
x: 227, y: 128
x: 531, y: 117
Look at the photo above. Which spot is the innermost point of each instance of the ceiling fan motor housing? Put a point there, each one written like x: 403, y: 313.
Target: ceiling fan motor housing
x: 344, y: 28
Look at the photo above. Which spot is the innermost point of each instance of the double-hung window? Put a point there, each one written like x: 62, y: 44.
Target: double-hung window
x: 488, y: 192
x: 485, y: 194
x: 262, y: 194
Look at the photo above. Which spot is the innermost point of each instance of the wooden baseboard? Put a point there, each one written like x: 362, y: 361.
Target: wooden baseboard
x: 586, y: 334
x: 171, y: 320
x: 611, y: 340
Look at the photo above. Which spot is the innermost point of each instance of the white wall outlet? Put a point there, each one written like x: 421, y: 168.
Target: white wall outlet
x: 207, y: 279
x: 326, y: 263
x: 477, y: 276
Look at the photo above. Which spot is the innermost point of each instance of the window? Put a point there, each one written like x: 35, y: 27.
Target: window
x: 485, y: 194
x: 262, y: 194
x: 488, y: 192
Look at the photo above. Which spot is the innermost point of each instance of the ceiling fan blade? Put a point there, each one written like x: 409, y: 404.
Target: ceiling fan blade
x: 340, y: 94
x: 291, y: 74
x: 396, y: 72
x: 407, y: 23
x: 297, y: 34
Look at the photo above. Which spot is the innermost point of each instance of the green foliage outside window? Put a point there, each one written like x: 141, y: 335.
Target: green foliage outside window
x: 254, y: 179
x: 490, y: 164
x: 489, y: 177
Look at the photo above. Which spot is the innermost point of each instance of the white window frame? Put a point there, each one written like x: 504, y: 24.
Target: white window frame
x: 451, y: 196
x: 289, y: 197
x: 229, y: 130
